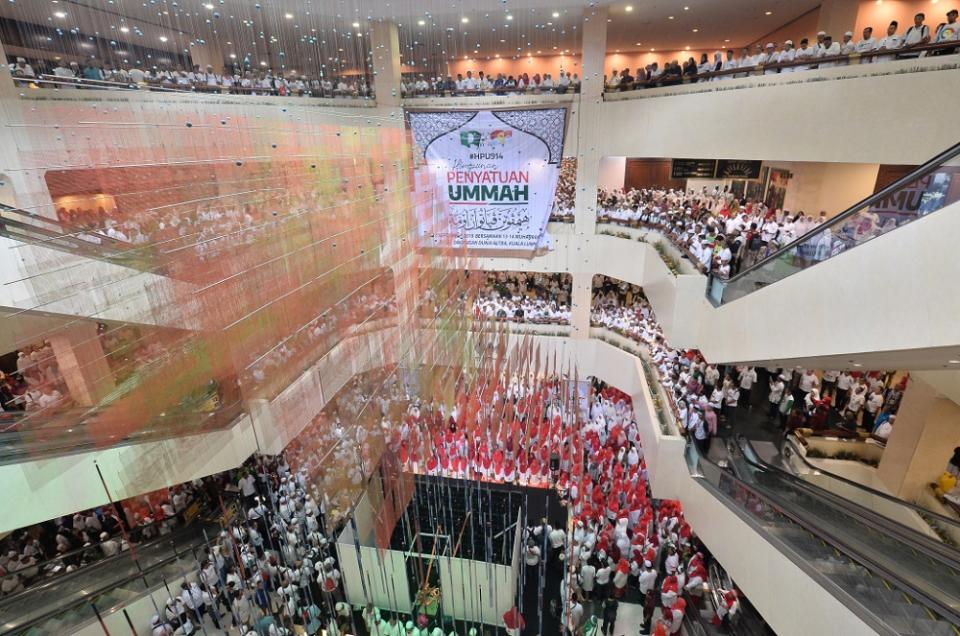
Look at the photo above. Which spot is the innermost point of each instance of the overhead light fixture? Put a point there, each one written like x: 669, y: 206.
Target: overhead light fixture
x: 686, y: 8
x: 669, y: 17
x: 509, y: 17
x: 233, y: 56
x: 288, y: 16
x: 687, y: 48
x: 124, y: 29
x: 628, y: 8
x: 556, y: 14
x: 768, y: 12
x: 356, y: 25
x: 421, y: 22
x: 639, y: 44
x: 163, y: 38
x: 695, y: 30
x: 59, y: 14
x: 954, y: 361
x: 263, y: 63
x: 208, y: 7
x: 464, y: 19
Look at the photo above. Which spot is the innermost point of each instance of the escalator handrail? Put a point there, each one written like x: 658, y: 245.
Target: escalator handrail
x: 920, y: 172
x: 91, y: 596
x: 172, y: 539
x: 871, y: 491
x: 917, y: 540
x: 827, y: 536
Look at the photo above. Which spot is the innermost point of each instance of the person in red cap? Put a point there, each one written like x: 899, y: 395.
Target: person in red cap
x: 675, y: 615
x: 513, y: 621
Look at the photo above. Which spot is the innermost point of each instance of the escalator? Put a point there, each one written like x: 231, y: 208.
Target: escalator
x: 914, y: 517
x: 924, y: 191
x: 892, y: 579
x: 845, y: 289
x: 61, y: 604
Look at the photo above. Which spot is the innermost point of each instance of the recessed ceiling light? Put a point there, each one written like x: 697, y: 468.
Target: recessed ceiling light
x: 464, y: 19
x: 686, y: 8
x: 687, y: 48
x: 628, y: 8
x: 954, y: 361
x: 669, y: 17
x: 653, y: 50
x: 639, y: 44
x: 288, y: 16
x: 356, y: 25
x: 727, y: 40
x: 421, y: 22
x: 263, y: 63
x: 124, y: 29
x: 857, y: 364
x: 208, y: 7
x: 163, y: 38
x: 59, y: 14
x: 768, y: 12
x: 233, y: 56
x: 695, y: 30
x: 509, y: 17
x: 556, y: 14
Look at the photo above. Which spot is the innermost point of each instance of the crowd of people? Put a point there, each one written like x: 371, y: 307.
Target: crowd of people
x: 850, y: 403
x: 38, y: 553
x: 722, y: 234
x: 35, y: 384
x: 481, y: 84
x: 522, y: 297
x: 826, y: 52
x: 233, y: 80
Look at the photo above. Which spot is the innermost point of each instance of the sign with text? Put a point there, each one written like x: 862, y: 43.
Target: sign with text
x: 493, y: 175
x: 714, y: 169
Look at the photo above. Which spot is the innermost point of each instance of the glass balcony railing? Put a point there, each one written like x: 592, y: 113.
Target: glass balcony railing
x: 929, y: 188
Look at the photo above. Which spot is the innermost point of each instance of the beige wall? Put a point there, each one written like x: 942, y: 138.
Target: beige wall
x: 927, y: 430
x: 611, y: 173
x: 832, y: 187
x: 804, y: 26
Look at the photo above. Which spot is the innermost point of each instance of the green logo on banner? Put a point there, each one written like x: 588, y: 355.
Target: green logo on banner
x: 470, y: 138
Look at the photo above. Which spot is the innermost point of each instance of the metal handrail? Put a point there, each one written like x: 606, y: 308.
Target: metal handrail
x: 922, y: 171
x: 91, y: 595
x: 764, y: 465
x: 946, y: 611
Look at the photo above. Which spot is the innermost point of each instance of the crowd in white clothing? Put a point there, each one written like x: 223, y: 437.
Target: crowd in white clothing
x: 722, y: 234
x: 918, y: 40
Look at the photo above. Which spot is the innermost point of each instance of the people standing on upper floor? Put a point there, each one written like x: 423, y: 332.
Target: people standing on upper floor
x: 891, y: 42
x: 917, y: 35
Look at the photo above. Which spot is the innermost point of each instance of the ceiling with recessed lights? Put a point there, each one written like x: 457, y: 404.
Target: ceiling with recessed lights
x: 329, y: 37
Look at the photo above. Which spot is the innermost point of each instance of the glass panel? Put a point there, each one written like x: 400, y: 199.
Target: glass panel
x: 936, y: 186
x: 899, y: 611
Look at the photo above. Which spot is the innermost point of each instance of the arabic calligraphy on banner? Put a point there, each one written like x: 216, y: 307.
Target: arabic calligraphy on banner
x: 494, y: 175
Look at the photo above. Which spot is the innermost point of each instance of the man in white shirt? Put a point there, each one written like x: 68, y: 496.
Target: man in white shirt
x: 828, y: 48
x: 916, y: 35
x: 848, y: 46
x: 728, y: 64
x: 747, y: 379
x: 469, y: 83
x: 21, y: 69
x: 866, y: 45
x: 891, y: 42
x: 949, y: 31
x: 770, y: 57
x: 804, y: 53
x: 787, y: 55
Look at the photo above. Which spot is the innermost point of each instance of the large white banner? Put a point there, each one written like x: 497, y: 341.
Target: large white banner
x: 493, y: 175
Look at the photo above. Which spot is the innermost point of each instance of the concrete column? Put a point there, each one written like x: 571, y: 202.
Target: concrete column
x: 838, y: 16
x: 82, y: 363
x: 923, y: 438
x: 580, y: 298
x: 385, y: 43
x: 588, y: 116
